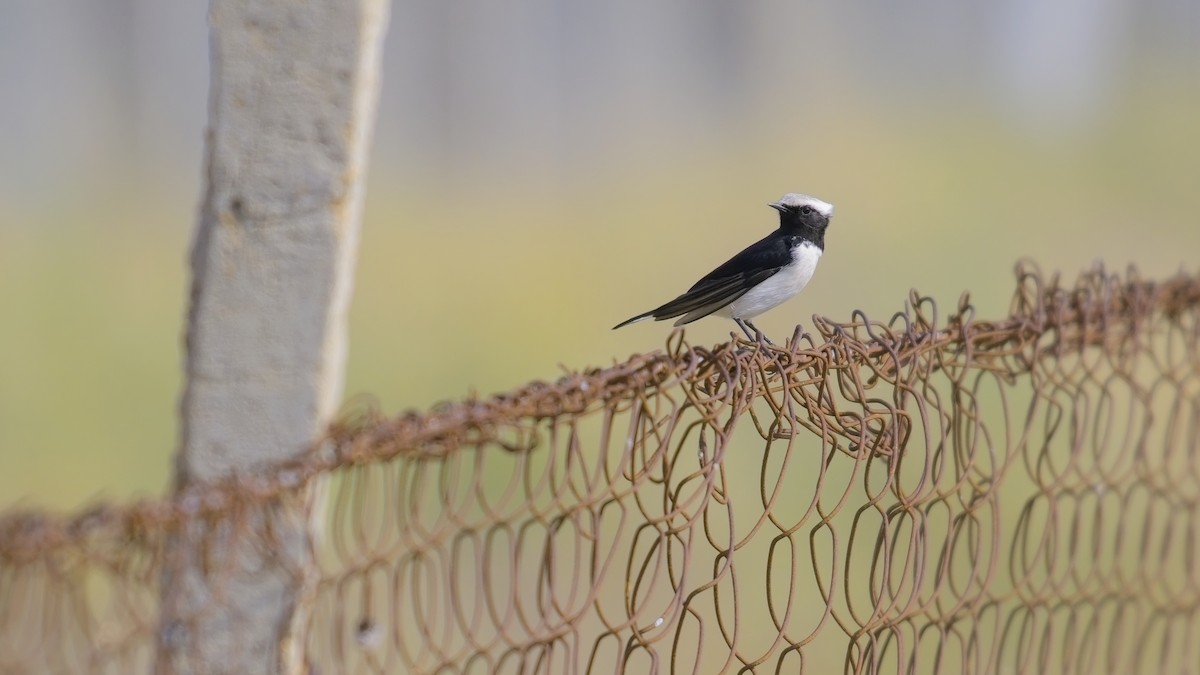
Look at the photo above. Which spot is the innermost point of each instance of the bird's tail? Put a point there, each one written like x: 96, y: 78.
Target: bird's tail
x: 639, y: 317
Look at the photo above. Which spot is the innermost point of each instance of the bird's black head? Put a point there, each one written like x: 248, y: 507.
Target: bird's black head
x: 803, y: 212
x: 804, y: 216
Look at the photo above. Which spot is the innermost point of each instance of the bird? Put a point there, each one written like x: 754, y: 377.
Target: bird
x: 762, y: 276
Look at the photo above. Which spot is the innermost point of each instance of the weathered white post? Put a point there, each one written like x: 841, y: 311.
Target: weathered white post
x: 294, y: 89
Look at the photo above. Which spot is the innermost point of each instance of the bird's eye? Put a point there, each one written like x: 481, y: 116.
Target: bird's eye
x: 806, y: 210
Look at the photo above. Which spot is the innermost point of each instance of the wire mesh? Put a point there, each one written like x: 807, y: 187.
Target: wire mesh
x: 932, y: 494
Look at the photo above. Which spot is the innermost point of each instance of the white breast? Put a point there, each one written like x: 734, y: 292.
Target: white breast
x: 779, y: 287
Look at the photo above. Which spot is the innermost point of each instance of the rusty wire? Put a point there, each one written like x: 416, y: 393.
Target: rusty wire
x: 933, y: 494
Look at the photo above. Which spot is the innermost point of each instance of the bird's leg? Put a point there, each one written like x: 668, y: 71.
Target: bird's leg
x: 759, y: 336
x: 745, y: 329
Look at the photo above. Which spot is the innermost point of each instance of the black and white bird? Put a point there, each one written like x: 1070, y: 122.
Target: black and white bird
x: 761, y: 277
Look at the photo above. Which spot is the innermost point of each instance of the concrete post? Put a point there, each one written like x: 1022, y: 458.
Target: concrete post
x: 294, y: 89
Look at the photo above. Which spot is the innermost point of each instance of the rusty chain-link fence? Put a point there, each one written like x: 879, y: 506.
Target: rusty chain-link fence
x: 933, y: 494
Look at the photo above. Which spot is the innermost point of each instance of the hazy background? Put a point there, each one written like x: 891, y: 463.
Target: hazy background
x: 543, y: 170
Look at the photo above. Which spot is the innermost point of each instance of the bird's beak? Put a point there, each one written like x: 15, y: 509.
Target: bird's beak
x: 777, y: 206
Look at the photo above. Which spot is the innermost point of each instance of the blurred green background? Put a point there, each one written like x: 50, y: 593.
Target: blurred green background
x: 542, y: 171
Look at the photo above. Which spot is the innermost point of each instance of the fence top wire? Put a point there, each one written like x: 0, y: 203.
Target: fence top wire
x: 1099, y: 308
x: 934, y: 474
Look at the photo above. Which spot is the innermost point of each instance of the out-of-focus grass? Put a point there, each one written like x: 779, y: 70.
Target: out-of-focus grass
x: 89, y: 355
x: 485, y: 288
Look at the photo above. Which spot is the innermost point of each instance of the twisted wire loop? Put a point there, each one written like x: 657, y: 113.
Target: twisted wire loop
x: 931, y: 494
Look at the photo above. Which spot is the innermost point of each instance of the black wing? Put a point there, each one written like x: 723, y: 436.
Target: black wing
x: 728, y: 282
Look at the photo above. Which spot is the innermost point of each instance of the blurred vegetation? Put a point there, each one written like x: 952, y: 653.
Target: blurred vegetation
x: 483, y: 289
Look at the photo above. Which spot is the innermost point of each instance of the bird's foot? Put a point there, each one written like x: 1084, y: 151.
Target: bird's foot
x: 753, y: 334
x: 759, y: 336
